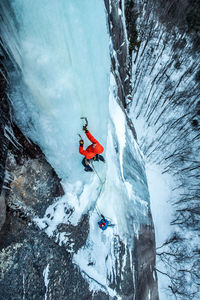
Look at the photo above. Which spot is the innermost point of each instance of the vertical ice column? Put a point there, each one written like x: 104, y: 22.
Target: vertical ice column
x: 63, y: 57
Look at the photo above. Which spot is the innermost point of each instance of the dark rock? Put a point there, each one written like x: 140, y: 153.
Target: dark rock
x: 145, y: 274
x: 76, y: 235
x: 100, y: 296
x: 4, y: 121
x: 25, y: 254
x: 34, y: 184
x: 131, y: 18
x: 122, y: 74
x: 24, y: 148
x: 197, y: 76
x: 195, y: 123
x: 2, y: 210
x: 123, y: 278
x: 122, y: 61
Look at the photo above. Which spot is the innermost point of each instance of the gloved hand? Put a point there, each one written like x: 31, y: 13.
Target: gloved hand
x: 85, y: 128
x: 81, y: 142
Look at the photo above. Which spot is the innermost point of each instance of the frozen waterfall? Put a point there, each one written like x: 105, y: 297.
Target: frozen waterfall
x: 62, y: 51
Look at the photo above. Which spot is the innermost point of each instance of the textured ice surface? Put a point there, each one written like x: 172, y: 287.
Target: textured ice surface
x: 64, y: 59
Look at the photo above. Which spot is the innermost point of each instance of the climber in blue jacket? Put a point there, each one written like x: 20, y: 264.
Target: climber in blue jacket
x: 103, y: 223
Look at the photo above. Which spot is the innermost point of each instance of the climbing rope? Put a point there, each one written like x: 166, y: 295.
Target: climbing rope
x: 97, y: 173
x: 102, y: 184
x: 98, y: 211
x: 96, y: 207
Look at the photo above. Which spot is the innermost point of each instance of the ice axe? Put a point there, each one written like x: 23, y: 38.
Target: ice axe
x: 86, y: 120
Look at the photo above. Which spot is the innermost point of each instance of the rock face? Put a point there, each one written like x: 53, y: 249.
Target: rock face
x: 33, y: 266
x: 2, y: 210
x: 145, y: 263
x: 33, y: 185
x: 120, y: 58
x: 4, y: 120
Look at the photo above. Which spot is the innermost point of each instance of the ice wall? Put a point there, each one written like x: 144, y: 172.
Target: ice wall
x: 62, y: 51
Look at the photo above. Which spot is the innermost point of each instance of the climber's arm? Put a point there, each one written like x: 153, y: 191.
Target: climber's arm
x: 91, y: 138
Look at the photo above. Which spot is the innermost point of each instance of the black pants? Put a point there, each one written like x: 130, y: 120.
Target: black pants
x: 98, y: 157
x: 85, y: 162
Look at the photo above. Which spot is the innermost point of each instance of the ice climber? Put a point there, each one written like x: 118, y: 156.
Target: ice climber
x: 92, y: 152
x: 103, y: 223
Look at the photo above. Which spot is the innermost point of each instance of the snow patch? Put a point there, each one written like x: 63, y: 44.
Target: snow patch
x: 160, y: 188
x: 46, y: 280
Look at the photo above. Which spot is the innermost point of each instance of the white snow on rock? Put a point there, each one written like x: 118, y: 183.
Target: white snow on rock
x: 46, y: 280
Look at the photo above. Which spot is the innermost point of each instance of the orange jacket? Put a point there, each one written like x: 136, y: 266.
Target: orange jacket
x: 93, y: 149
